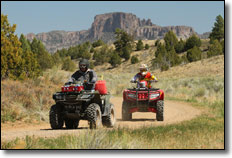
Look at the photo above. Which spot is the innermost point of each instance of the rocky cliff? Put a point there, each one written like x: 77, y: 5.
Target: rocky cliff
x: 103, y: 28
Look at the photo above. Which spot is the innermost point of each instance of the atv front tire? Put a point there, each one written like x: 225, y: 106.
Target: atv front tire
x: 160, y: 110
x: 94, y: 116
x: 110, y: 119
x: 126, y: 115
x: 55, y: 117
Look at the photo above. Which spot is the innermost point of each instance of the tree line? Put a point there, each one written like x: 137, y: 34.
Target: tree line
x: 167, y: 56
x: 21, y: 59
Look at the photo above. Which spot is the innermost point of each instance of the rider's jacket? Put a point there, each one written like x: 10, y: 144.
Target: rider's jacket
x: 89, y: 77
x: 147, y: 77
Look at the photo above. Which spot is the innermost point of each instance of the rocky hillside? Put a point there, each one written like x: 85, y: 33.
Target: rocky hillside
x: 103, y: 27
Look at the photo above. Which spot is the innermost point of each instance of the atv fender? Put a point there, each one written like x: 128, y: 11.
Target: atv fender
x: 106, y: 105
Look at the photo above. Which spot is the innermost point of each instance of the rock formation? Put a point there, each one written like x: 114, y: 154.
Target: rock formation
x: 103, y: 28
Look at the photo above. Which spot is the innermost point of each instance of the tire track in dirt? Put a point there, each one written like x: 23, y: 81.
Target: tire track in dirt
x: 174, y: 112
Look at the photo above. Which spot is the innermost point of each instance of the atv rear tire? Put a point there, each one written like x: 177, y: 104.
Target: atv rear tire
x: 160, y: 110
x: 94, y: 116
x: 126, y: 115
x: 71, y: 124
x: 55, y: 117
x: 110, y: 119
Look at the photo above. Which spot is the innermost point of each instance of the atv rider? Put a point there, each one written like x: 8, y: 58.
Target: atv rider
x: 144, y: 75
x: 87, y: 76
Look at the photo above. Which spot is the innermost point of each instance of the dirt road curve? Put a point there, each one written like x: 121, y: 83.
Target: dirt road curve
x: 174, y: 112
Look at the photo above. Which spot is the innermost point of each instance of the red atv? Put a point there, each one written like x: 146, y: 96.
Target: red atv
x: 142, y: 99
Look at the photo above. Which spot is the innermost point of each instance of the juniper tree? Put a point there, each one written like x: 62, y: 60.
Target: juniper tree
x: 218, y: 29
x: 11, y: 51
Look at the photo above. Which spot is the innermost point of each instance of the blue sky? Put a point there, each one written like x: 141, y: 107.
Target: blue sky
x: 46, y: 16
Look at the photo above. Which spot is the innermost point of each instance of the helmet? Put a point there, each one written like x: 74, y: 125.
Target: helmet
x: 84, y: 65
x: 143, y: 69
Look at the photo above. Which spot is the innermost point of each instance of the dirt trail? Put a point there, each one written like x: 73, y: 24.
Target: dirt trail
x: 174, y: 112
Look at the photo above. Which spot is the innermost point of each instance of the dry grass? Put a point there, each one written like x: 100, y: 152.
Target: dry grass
x: 30, y: 100
x: 200, y: 133
x: 211, y: 67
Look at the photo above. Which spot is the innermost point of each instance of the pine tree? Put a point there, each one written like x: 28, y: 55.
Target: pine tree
x: 194, y: 54
x: 139, y: 45
x: 44, y: 58
x: 180, y: 46
x: 34, y: 46
x: 157, y: 42
x: 97, y: 43
x: 161, y: 50
x: 193, y: 41
x: 30, y: 64
x: 115, y: 59
x: 170, y: 40
x: 174, y: 58
x: 223, y: 46
x: 10, y: 50
x: 218, y: 29
x: 215, y: 49
x: 102, y: 55
x: 123, y: 44
x: 56, y: 57
x: 68, y: 64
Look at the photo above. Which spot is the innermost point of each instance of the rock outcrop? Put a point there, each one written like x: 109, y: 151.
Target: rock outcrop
x: 103, y: 28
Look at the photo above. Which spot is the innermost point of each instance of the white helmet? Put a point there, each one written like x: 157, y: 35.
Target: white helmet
x: 143, y: 69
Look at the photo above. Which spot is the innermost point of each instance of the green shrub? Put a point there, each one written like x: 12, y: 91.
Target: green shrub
x: 157, y: 42
x: 68, y: 64
x: 115, y: 59
x: 184, y: 59
x: 223, y: 46
x: 91, y: 64
x: 164, y: 67
x: 97, y: 43
x: 126, y: 53
x: 123, y: 44
x: 218, y: 30
x: 134, y: 60
x: 102, y: 55
x: 192, y: 42
x: 200, y: 92
x: 215, y: 49
x: 147, y: 46
x: 139, y: 45
x: 194, y: 54
x: 170, y: 40
x: 92, y: 50
x: 180, y: 46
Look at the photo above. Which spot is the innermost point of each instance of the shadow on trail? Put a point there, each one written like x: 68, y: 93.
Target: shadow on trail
x: 136, y: 120
x: 66, y: 129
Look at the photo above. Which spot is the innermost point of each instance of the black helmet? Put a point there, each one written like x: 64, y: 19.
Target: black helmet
x: 84, y: 62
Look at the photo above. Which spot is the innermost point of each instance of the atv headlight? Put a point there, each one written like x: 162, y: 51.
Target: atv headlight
x: 155, y: 95
x: 131, y: 95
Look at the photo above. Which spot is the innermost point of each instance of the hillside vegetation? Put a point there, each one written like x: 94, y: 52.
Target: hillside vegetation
x: 31, y: 99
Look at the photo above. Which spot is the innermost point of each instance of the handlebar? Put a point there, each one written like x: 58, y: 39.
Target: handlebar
x: 78, y: 82
x: 147, y: 81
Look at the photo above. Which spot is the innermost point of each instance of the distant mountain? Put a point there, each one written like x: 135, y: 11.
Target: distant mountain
x: 103, y: 27
x: 204, y: 35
